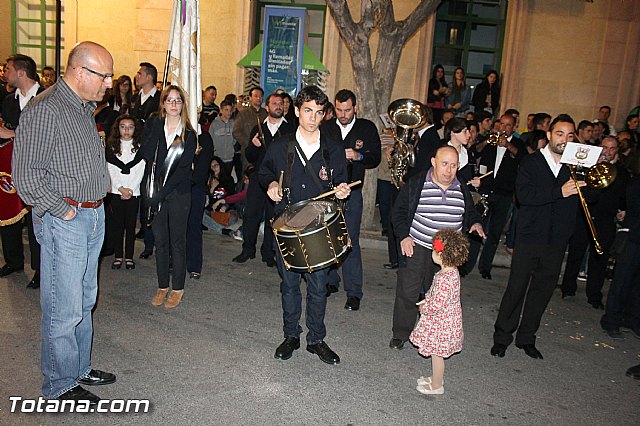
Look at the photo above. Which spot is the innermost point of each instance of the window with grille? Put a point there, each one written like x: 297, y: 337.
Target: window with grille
x: 33, y: 30
x: 469, y: 33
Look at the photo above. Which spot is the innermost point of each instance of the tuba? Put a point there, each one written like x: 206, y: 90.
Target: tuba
x: 406, y: 114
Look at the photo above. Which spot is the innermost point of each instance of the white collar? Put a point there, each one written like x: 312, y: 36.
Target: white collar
x: 145, y: 96
x: 308, y: 148
x: 33, y: 90
x: 463, y: 155
x: 346, y: 129
x: 553, y: 165
x: 421, y: 131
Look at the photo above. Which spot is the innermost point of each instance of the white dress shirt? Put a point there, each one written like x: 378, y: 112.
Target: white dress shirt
x: 24, y: 98
x: 145, y: 96
x: 133, y: 179
x: 500, y: 152
x: 346, y: 129
x: 308, y: 148
x: 555, y: 167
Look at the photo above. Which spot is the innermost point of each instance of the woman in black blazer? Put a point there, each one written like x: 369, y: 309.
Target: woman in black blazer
x: 169, y: 145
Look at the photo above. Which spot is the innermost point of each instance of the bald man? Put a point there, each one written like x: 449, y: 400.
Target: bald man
x: 60, y: 169
x: 429, y: 201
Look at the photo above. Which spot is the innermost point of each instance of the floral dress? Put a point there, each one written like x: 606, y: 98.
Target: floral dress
x: 439, y: 329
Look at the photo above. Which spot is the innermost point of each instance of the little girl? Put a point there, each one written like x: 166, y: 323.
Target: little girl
x: 126, y: 169
x: 438, y: 332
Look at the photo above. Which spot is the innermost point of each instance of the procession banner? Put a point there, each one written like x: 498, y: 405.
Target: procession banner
x: 184, y: 48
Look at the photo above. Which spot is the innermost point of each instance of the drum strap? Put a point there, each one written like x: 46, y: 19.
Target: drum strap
x: 293, y: 145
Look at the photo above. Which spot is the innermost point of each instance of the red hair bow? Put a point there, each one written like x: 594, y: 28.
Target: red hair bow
x: 438, y: 246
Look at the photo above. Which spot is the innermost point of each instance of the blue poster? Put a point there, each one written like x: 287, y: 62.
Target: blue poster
x: 283, y: 44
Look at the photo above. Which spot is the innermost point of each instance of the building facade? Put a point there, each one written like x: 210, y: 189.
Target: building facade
x: 552, y: 55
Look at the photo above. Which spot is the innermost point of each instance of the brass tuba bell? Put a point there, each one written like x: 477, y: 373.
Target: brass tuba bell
x: 406, y: 114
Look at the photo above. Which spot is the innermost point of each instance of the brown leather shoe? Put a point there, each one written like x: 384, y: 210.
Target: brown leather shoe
x: 174, y: 299
x: 158, y: 299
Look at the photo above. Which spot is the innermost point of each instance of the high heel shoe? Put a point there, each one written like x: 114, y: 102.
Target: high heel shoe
x: 158, y: 299
x: 129, y: 264
x: 117, y: 264
x: 174, y: 298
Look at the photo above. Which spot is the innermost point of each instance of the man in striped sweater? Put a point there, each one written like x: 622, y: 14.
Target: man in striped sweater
x: 428, y: 201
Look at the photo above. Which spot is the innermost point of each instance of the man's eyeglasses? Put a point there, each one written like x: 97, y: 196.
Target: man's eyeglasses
x: 104, y: 77
x: 176, y: 101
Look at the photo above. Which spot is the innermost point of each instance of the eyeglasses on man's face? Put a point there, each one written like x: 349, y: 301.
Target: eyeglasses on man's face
x: 174, y: 101
x: 104, y: 77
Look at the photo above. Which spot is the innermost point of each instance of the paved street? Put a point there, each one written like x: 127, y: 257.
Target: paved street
x: 210, y: 361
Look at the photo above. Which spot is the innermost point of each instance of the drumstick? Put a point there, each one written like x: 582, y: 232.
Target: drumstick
x: 333, y: 191
x: 485, y: 175
x: 280, y: 183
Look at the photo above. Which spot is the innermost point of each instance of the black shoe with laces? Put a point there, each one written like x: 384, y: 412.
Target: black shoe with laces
x: 324, y: 352
x: 80, y: 394
x: 353, y: 304
x: 286, y: 348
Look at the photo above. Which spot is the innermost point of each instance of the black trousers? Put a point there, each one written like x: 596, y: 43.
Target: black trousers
x: 578, y: 244
x: 194, y: 229
x: 12, y: 247
x: 387, y: 194
x: 416, y: 272
x: 257, y: 209
x: 534, y: 274
x: 34, y: 246
x: 170, y: 231
x: 606, y: 230
x: 580, y: 240
x: 123, y: 224
x: 499, y: 207
x: 623, y: 300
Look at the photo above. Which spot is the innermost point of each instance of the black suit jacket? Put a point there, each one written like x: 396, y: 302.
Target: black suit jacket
x: 11, y: 109
x: 202, y: 162
x: 505, y: 180
x: 152, y: 137
x: 545, y: 217
x: 255, y: 154
x: 362, y: 138
x: 425, y: 150
x: 142, y: 112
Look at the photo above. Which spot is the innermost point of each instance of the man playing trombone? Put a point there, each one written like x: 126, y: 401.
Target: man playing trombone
x: 546, y: 221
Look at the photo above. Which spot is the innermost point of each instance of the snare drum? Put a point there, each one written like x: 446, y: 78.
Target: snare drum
x: 311, y: 235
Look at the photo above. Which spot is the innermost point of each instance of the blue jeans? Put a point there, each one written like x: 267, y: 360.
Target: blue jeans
x: 69, y: 285
x: 292, y: 301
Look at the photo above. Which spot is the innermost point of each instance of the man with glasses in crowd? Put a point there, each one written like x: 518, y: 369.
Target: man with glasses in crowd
x: 60, y: 169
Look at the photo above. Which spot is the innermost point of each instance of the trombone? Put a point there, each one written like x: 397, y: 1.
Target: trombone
x: 494, y: 137
x: 598, y: 176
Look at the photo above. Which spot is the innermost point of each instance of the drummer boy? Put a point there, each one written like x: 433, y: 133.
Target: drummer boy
x: 310, y: 164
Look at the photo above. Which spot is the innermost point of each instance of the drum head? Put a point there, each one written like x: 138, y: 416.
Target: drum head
x: 305, y: 215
